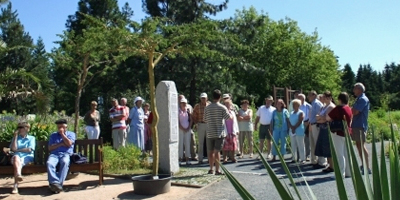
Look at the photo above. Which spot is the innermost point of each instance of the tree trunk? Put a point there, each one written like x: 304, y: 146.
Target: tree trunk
x: 77, y: 101
x: 155, y: 116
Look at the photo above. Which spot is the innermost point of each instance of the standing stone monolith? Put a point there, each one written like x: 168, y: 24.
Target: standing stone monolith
x: 168, y: 127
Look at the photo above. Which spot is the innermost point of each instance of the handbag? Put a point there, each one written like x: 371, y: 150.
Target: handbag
x: 5, y: 157
x: 79, y: 158
x: 337, y: 125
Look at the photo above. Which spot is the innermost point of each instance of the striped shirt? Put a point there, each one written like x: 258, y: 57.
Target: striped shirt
x: 115, y: 112
x: 215, y: 115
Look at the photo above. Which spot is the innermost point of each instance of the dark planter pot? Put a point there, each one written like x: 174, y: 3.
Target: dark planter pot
x: 145, y: 185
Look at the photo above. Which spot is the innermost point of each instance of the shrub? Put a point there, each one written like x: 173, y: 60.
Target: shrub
x: 41, y: 125
x: 125, y: 158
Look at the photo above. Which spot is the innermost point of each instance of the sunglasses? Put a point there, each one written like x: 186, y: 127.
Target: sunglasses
x: 21, y: 127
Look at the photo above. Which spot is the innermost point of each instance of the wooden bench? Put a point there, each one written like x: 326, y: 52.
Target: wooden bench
x: 90, y: 148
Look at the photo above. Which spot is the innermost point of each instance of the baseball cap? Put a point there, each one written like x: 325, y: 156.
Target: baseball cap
x: 203, y: 95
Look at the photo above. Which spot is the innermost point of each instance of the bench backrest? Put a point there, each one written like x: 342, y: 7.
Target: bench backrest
x: 89, y: 148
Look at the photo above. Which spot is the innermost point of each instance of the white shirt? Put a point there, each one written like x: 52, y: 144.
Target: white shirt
x: 265, y: 114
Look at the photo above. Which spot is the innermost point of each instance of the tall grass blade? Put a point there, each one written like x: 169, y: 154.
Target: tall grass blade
x: 360, y: 188
x: 367, y: 181
x: 304, y: 178
x: 384, y: 174
x: 395, y: 175
x: 392, y: 174
x: 285, y: 167
x: 375, y: 169
x: 338, y: 174
x: 283, y: 193
x: 238, y: 187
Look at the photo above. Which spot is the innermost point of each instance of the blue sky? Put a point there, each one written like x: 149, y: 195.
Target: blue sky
x: 359, y: 32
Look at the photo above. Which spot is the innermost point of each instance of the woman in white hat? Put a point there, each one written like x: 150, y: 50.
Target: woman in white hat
x: 136, y: 121
x: 185, y: 124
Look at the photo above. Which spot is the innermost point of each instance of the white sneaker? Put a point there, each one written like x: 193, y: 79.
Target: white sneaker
x: 269, y: 156
x: 14, y: 191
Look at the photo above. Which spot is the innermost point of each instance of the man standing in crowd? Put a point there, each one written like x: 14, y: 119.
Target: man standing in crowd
x: 316, y: 106
x: 118, y: 118
x: 126, y: 110
x: 359, y: 124
x: 306, y: 108
x: 192, y: 147
x: 198, y: 118
x: 295, y: 96
x: 264, y: 116
x: 215, y: 115
x: 61, y: 146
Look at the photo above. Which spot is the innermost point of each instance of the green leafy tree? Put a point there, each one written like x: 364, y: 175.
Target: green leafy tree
x: 154, y: 40
x: 88, y: 55
x: 348, y: 79
x: 17, y: 83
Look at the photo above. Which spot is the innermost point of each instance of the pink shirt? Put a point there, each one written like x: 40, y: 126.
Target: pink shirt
x: 184, y: 118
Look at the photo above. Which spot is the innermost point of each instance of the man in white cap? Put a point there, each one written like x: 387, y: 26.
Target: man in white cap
x: 198, y: 118
x: 118, y: 118
x: 61, y: 146
x: 264, y: 116
x: 193, y: 139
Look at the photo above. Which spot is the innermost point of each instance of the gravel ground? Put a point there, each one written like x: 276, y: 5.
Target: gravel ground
x: 82, y: 187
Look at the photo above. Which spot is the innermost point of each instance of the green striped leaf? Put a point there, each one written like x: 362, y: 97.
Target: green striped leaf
x: 378, y: 195
x: 338, y: 174
x: 236, y: 184
x: 283, y: 193
x: 384, y: 174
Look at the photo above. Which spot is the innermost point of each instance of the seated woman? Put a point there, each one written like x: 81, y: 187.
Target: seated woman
x: 23, y: 146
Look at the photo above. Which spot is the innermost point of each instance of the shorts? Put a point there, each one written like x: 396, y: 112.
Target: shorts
x: 24, y: 160
x: 358, y: 134
x: 264, y: 132
x: 214, y: 144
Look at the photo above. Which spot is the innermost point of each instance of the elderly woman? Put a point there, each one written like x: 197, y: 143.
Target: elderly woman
x: 245, y: 123
x: 279, y: 127
x: 185, y: 131
x: 23, y: 146
x: 92, y: 119
x: 323, y: 148
x: 296, y: 131
x: 136, y: 121
x: 341, y: 112
x: 232, y: 130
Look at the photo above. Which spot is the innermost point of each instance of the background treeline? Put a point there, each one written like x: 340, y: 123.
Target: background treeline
x: 255, y: 54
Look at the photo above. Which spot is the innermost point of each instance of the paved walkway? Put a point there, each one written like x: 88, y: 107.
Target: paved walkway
x: 253, y: 176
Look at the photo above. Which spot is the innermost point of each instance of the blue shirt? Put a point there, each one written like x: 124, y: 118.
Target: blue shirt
x: 279, y: 120
x: 361, y: 120
x: 306, y: 107
x: 55, y: 138
x: 137, y: 117
x: 294, y: 118
x: 26, y: 142
x: 316, y: 106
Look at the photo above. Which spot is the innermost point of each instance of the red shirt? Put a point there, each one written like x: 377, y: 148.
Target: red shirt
x: 340, y: 113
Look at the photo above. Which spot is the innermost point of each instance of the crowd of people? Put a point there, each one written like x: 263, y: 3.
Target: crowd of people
x: 224, y: 127
x: 221, y: 126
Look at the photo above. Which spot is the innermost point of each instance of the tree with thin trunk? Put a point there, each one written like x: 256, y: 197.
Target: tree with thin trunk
x: 87, y: 55
x: 154, y: 40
